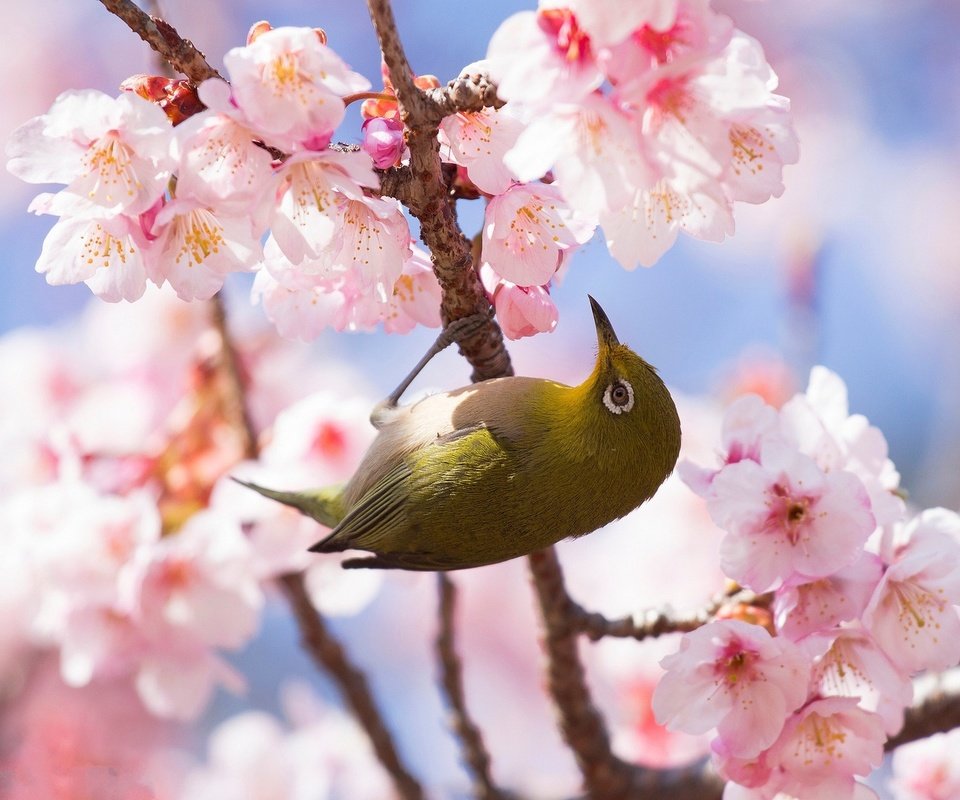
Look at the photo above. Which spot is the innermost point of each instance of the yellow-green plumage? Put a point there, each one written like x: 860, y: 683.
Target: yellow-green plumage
x: 501, y: 468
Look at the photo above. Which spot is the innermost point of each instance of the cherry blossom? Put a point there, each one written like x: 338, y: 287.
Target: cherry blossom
x: 383, y: 141
x: 527, y: 229
x: 521, y: 310
x: 927, y: 769
x: 787, y: 519
x: 735, y: 677
x: 479, y: 142
x: 913, y: 612
x: 113, y: 153
x: 821, y: 749
x: 289, y: 86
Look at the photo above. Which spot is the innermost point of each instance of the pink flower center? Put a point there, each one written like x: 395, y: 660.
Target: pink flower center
x: 329, y: 441
x: 734, y: 663
x: 571, y: 41
x: 663, y: 44
x: 788, y: 513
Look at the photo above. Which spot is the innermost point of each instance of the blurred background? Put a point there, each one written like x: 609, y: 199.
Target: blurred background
x: 856, y: 267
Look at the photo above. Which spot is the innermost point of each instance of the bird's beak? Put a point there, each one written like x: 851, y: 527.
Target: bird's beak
x: 606, y: 337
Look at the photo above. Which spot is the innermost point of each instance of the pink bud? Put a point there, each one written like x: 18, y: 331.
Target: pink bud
x: 521, y: 310
x: 383, y: 141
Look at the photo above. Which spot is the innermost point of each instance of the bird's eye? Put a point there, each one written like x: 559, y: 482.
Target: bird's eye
x: 618, y: 397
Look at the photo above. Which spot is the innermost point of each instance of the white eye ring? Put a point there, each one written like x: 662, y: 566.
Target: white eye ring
x: 622, y: 407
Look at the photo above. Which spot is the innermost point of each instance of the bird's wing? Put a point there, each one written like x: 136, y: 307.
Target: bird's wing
x: 381, y: 522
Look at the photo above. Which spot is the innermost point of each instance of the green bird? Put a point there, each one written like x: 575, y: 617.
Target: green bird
x: 501, y: 468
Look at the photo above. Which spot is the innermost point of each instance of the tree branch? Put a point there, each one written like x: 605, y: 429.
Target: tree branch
x: 427, y: 197
x: 476, y: 757
x: 180, y: 53
x: 318, y: 641
x: 656, y: 622
x: 605, y: 776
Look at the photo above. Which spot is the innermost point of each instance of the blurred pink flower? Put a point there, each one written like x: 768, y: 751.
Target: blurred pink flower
x: 927, y: 769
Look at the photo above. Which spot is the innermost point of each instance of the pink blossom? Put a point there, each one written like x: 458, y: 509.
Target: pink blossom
x: 610, y: 21
x: 593, y: 150
x: 521, y: 310
x: 416, y: 295
x: 526, y: 231
x: 850, y: 664
x: 197, y: 248
x: 747, y: 423
x: 220, y: 165
x: 289, y: 86
x: 641, y: 231
x: 113, y: 153
x: 735, y: 677
x: 821, y: 749
x: 805, y: 608
x: 913, y: 612
x: 373, y: 241
x: 927, y: 769
x: 542, y: 57
x: 310, y: 197
x: 820, y: 424
x: 299, y: 311
x: 478, y: 141
x: 786, y: 519
x: 383, y: 141
x: 111, y: 255
x: 326, y: 756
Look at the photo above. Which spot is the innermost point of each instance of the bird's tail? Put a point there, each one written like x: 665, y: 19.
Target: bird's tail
x: 324, y: 505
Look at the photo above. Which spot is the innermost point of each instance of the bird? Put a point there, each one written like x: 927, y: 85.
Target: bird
x: 501, y: 468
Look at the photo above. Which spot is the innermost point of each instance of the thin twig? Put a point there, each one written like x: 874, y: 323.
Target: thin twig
x: 327, y: 653
x: 318, y: 641
x: 427, y: 197
x: 180, y: 53
x: 605, y: 776
x: 657, y: 622
x: 475, y: 753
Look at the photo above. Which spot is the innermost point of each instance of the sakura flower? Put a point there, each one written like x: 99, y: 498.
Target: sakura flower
x: 111, y: 255
x: 609, y: 21
x: 851, y: 664
x: 478, y: 141
x: 527, y: 229
x: 821, y: 749
x: 913, y: 614
x: 786, y: 518
x: 641, y: 231
x: 198, y: 584
x: 593, y: 150
x: 299, y: 310
x: 219, y: 163
x: 383, y: 141
x: 289, y: 86
x: 543, y: 57
x: 927, y: 769
x: 416, y: 295
x: 735, y: 677
x: 747, y: 423
x: 521, y: 310
x: 112, y: 152
x: 310, y: 197
x: 197, y: 248
x: 805, y: 608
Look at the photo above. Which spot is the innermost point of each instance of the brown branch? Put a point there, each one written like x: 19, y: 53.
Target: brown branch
x: 475, y: 753
x: 318, y: 641
x: 472, y: 92
x: 327, y: 653
x: 427, y: 197
x: 657, y: 622
x: 180, y: 53
x: 936, y: 710
x: 605, y: 776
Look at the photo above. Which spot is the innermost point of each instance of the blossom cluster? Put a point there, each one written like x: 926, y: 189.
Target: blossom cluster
x: 803, y: 697
x: 187, y: 205
x: 125, y: 555
x: 644, y: 123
